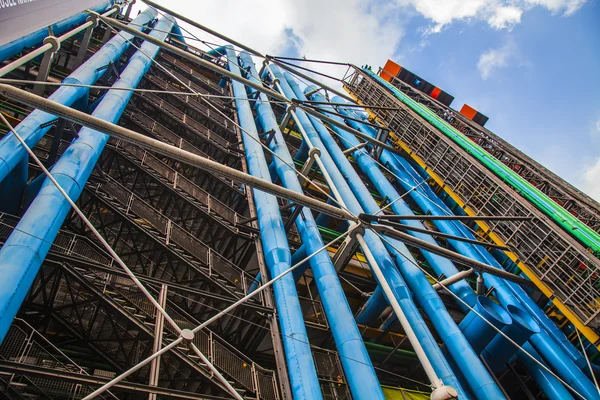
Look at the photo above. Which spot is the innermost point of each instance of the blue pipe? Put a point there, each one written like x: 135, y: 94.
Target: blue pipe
x: 359, y: 371
x: 11, y: 151
x: 499, y: 351
x: 428, y: 201
x: 34, y: 39
x: 25, y: 249
x: 477, y: 331
x: 397, y: 284
x: 439, y: 264
x: 478, y: 378
x: 302, y: 372
x: 550, y: 350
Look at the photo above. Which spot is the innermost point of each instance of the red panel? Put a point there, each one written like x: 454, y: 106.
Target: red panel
x: 390, y: 70
x: 468, y: 111
x: 436, y: 92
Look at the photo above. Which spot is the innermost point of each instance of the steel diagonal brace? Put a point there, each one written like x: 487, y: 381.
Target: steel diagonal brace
x: 154, y: 145
x: 348, y: 246
x: 449, y: 254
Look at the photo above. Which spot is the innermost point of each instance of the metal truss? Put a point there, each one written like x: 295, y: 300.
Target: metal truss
x: 569, y: 197
x: 564, y: 270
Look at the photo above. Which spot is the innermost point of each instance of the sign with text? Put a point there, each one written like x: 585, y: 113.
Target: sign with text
x: 19, y: 18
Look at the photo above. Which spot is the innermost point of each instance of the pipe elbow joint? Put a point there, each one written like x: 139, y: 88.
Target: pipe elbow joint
x: 444, y: 393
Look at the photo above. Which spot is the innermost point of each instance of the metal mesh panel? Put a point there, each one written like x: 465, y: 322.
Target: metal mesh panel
x: 552, y: 254
x: 235, y: 366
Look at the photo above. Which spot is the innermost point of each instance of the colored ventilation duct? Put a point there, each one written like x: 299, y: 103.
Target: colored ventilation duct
x: 301, y: 368
x: 549, y: 349
x: 499, y: 351
x: 37, y: 123
x: 360, y: 374
x: 441, y: 265
x: 428, y: 201
x: 562, y: 217
x: 34, y: 39
x: 401, y: 294
x: 27, y: 246
x: 477, y: 331
x: 467, y: 360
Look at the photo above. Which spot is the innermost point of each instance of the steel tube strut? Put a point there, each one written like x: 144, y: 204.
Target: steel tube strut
x: 27, y: 246
x: 381, y: 263
x: 301, y: 368
x: 358, y: 369
x: 176, y: 153
x: 37, y: 123
x: 476, y: 375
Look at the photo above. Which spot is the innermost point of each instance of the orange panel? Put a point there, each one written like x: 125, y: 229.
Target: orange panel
x: 436, y: 92
x: 468, y: 111
x: 390, y: 70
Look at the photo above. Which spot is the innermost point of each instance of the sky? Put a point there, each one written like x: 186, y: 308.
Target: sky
x: 531, y: 66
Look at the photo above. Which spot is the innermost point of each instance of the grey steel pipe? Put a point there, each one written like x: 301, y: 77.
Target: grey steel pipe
x: 181, y: 155
x: 453, y: 279
x: 452, y: 255
x: 213, y: 67
x: 48, y: 45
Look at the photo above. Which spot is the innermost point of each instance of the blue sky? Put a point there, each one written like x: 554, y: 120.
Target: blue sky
x: 544, y: 95
x: 530, y: 65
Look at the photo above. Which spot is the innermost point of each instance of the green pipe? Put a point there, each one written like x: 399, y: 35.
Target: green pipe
x: 548, y: 206
x: 380, y: 352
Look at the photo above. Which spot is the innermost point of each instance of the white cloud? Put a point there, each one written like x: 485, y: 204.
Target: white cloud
x: 591, y: 180
x: 505, y: 17
x: 336, y: 30
x: 568, y: 6
x: 499, y: 14
x: 494, y: 59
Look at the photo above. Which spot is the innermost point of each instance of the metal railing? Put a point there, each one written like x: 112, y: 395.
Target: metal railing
x: 313, y: 312
x: 558, y: 260
x: 171, y: 231
x: 577, y: 202
x: 177, y: 180
x: 66, y: 243
x: 154, y: 127
x: 225, y: 357
x: 25, y: 345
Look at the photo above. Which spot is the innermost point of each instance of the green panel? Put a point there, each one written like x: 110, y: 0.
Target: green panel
x: 545, y: 204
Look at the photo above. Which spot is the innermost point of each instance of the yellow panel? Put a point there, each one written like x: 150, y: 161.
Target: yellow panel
x: 571, y: 316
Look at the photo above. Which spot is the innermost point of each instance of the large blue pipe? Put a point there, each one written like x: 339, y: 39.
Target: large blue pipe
x: 439, y: 264
x: 25, y: 249
x: 302, y: 372
x: 508, y: 294
x: 393, y: 277
x: 34, y: 39
x: 11, y: 151
x: 475, y: 373
x: 550, y: 327
x: 428, y: 201
x: 358, y: 369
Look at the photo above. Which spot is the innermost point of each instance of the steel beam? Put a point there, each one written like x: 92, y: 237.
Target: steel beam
x: 171, y: 151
